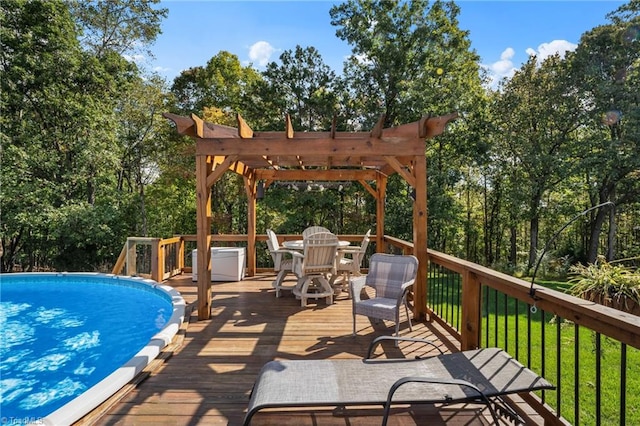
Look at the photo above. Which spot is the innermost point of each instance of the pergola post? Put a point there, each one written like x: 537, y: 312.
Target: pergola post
x: 250, y: 187
x: 420, y: 235
x: 203, y: 239
x: 381, y: 187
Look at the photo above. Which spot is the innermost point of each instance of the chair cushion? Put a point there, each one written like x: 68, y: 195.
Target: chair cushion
x: 380, y: 307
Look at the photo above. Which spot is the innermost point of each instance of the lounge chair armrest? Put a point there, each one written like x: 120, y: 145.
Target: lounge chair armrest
x: 436, y: 380
x: 379, y: 339
x: 284, y: 251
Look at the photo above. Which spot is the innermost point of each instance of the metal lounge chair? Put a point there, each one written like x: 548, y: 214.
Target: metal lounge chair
x: 478, y: 376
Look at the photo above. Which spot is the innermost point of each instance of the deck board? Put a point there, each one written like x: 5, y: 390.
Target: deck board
x: 207, y: 378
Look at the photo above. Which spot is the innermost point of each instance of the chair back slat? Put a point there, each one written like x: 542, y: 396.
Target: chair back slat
x: 274, y: 246
x: 313, y: 230
x: 320, y: 253
x: 365, y: 243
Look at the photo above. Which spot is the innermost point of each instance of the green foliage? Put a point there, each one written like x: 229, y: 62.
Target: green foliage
x: 302, y: 85
x: 59, y: 106
x: 85, y: 150
x: 223, y: 83
x: 118, y: 26
x: 408, y: 59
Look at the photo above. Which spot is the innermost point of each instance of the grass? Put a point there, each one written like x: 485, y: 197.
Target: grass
x: 552, y: 346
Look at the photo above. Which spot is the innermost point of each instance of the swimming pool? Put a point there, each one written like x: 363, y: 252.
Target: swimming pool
x: 68, y: 341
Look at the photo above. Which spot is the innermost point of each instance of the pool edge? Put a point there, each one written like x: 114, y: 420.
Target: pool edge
x: 103, y: 390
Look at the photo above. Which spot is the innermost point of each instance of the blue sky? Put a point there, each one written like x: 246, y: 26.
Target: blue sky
x: 503, y: 33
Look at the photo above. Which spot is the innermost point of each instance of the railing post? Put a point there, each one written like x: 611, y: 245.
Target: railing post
x: 157, y: 260
x: 131, y: 257
x: 180, y: 255
x: 471, y: 313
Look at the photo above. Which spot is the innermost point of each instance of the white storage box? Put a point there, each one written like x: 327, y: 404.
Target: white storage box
x: 227, y: 263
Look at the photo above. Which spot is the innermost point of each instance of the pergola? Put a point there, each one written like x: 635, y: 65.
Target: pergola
x: 366, y: 157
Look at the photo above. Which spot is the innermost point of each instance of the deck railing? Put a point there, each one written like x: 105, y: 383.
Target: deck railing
x: 154, y: 258
x: 163, y: 258
x: 589, y: 351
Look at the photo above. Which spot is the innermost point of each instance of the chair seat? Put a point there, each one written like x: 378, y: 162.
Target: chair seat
x: 286, y: 264
x: 380, y: 307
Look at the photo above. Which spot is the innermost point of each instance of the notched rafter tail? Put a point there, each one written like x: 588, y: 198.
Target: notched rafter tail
x: 244, y: 131
x: 376, y: 132
x: 288, y: 127
x: 434, y: 126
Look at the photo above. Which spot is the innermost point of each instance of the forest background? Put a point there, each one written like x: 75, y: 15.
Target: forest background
x: 88, y: 160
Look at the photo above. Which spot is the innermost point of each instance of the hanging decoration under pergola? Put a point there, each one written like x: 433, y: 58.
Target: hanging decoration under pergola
x: 264, y: 158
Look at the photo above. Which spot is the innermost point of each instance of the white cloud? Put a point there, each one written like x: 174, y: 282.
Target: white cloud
x: 161, y: 70
x: 137, y: 58
x: 549, y: 49
x: 502, y: 68
x: 260, y: 53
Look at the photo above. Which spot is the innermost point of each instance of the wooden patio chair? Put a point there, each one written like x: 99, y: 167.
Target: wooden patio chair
x: 282, y: 263
x: 392, y: 277
x: 350, y: 260
x: 313, y: 267
x: 313, y: 230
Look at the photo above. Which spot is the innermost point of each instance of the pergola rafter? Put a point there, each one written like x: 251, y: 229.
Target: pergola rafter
x: 364, y: 157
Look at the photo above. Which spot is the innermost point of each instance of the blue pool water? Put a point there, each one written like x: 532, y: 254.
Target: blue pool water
x: 60, y: 334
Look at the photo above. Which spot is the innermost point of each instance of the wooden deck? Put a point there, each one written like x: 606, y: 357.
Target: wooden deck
x: 205, y: 378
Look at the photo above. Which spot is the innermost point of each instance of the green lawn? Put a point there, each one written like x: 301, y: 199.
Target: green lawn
x: 505, y: 325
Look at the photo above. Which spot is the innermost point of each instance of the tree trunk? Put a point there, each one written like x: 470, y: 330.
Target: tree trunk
x: 594, y: 237
x: 513, y: 250
x: 596, y: 225
x: 611, y: 237
x: 534, y: 226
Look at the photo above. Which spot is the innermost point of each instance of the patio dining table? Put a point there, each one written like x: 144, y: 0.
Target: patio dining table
x: 299, y: 244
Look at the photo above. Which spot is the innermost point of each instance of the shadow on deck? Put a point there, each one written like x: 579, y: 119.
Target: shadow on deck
x: 207, y: 377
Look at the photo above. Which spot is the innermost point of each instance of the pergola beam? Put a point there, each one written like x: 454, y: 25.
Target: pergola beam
x: 313, y: 174
x: 315, y: 147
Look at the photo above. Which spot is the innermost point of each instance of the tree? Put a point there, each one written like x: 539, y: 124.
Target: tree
x: 302, y: 85
x: 119, y: 26
x: 606, y: 70
x: 537, y: 119
x: 223, y: 83
x: 217, y: 92
x: 403, y: 56
x: 141, y: 137
x: 411, y: 59
x: 59, y: 106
